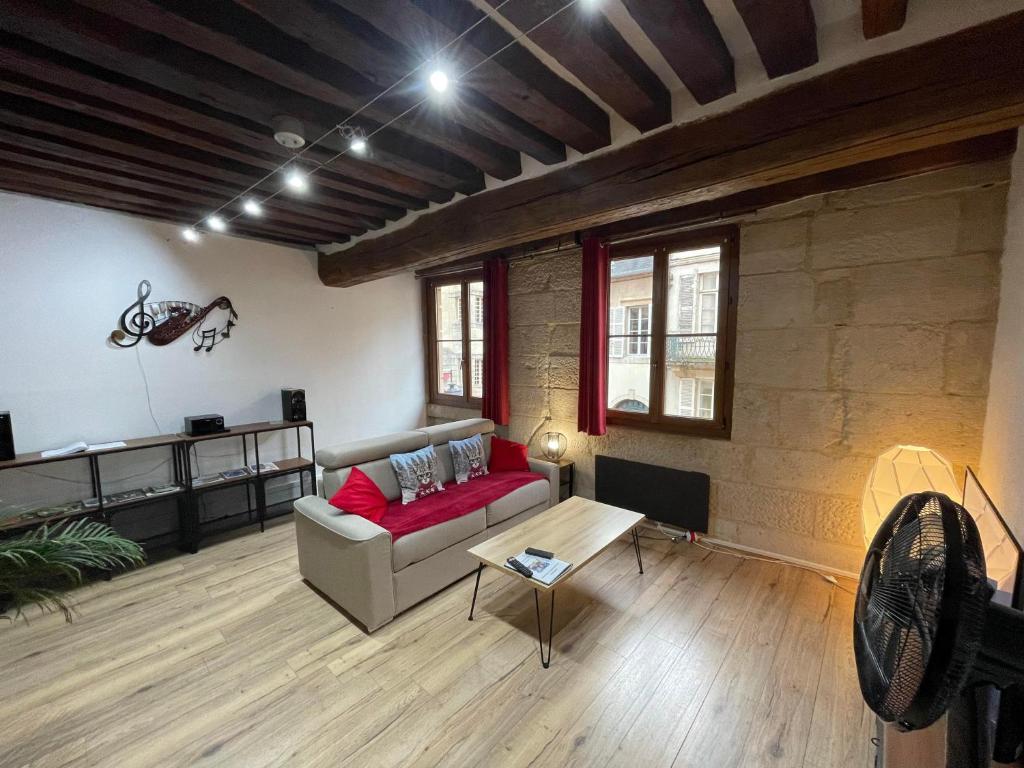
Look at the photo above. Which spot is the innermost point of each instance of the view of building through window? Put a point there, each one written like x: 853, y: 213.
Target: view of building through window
x: 455, y: 338
x: 687, y: 365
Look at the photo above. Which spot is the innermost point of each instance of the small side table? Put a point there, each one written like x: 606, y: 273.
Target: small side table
x: 566, y: 478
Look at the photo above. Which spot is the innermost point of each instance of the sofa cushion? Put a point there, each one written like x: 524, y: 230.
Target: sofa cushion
x: 419, y: 473
x: 380, y: 471
x: 360, y: 496
x: 469, y: 458
x: 507, y: 455
x: 519, y: 500
x: 421, y: 544
x: 456, y: 501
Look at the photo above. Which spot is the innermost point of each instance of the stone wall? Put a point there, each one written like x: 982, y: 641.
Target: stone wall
x: 866, y: 318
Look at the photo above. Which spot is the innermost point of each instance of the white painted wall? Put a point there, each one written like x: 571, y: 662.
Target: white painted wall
x: 67, y: 273
x: 1002, y: 455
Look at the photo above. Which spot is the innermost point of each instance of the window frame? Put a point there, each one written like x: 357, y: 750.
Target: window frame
x: 430, y: 286
x: 720, y: 426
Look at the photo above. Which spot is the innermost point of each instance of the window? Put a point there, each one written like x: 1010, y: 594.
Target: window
x: 455, y: 339
x: 671, y: 332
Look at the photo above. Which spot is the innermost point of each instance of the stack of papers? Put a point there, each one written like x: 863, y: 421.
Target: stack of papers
x: 544, y: 570
x: 68, y: 450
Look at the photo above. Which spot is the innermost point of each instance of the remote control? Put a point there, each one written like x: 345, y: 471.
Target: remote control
x: 517, y: 566
x: 539, y: 553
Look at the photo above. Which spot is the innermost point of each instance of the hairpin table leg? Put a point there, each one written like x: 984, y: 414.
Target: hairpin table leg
x: 636, y: 545
x: 551, y: 628
x: 476, y: 589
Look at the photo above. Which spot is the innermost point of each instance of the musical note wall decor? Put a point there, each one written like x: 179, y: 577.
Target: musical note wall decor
x: 164, y: 321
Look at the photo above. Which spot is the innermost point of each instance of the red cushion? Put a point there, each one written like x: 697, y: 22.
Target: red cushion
x: 360, y: 496
x: 507, y: 456
x: 456, y: 501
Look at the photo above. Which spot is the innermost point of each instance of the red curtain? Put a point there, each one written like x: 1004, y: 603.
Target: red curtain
x: 594, y: 338
x: 496, y: 400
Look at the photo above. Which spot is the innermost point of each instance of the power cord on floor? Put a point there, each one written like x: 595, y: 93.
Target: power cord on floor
x: 725, y: 550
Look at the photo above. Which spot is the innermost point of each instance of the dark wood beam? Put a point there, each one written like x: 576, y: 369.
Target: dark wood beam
x: 686, y: 35
x: 964, y: 85
x: 78, y: 190
x: 515, y: 79
x: 880, y: 17
x: 589, y: 46
x: 116, y: 46
x: 210, y: 29
x: 45, y: 165
x: 90, y: 159
x: 98, y: 200
x: 382, y: 60
x: 15, y: 84
x: 783, y: 32
x: 62, y: 74
x: 976, y: 150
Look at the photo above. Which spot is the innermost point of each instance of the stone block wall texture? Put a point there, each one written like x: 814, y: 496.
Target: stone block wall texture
x: 866, y: 318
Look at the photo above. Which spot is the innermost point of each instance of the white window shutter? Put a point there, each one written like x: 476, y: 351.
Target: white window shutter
x: 616, y: 347
x: 686, y: 391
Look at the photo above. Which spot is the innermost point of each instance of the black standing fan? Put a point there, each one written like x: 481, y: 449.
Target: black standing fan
x: 924, y: 628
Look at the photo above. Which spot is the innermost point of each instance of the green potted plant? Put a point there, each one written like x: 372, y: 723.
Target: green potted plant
x: 41, y: 567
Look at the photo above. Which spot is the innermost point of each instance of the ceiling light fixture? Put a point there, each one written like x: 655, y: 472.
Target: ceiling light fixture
x: 439, y: 80
x: 252, y: 207
x: 216, y: 223
x: 358, y: 145
x: 296, y: 180
x: 190, y: 235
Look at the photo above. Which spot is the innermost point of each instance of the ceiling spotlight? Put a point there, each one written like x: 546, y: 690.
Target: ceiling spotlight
x: 190, y: 235
x: 439, y: 81
x: 358, y: 145
x: 216, y: 223
x: 252, y: 208
x: 296, y: 180
x: 590, y: 5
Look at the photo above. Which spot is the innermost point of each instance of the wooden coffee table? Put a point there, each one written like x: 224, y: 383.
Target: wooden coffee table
x: 576, y: 531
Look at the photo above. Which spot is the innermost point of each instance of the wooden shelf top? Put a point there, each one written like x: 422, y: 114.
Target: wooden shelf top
x: 246, y: 429
x: 135, y: 444
x: 156, y: 441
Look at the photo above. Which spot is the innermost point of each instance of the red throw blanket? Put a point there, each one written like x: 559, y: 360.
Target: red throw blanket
x: 454, y: 501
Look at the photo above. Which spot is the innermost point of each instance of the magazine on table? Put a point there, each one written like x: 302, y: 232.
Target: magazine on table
x: 545, y: 570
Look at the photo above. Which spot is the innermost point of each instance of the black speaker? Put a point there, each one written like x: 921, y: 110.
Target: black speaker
x: 6, y: 437
x: 293, y: 404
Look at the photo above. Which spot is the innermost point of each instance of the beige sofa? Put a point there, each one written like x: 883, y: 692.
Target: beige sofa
x: 354, y: 561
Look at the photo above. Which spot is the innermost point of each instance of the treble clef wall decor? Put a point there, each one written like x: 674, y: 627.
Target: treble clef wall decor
x: 164, y: 321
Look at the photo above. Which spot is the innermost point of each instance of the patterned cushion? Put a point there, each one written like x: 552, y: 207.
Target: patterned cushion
x: 418, y: 473
x: 468, y: 458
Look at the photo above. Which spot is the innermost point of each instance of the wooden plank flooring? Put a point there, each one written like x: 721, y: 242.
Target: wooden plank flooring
x: 226, y: 658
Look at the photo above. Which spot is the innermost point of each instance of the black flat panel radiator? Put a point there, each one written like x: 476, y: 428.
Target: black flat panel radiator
x: 670, y: 496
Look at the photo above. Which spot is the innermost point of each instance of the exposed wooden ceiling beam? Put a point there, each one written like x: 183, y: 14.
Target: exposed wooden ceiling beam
x: 111, y: 44
x: 15, y: 84
x: 975, y: 150
x: 515, y: 79
x: 82, y: 190
x: 592, y: 49
x: 686, y: 35
x: 89, y: 159
x: 783, y: 32
x: 880, y: 17
x: 967, y: 84
x: 62, y: 75
x: 384, y: 62
x: 211, y: 29
x: 97, y: 199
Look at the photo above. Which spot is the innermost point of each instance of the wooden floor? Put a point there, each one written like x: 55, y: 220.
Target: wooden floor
x: 227, y: 658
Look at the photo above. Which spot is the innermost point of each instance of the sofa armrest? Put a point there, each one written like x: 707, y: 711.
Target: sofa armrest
x: 551, y: 471
x: 348, y: 558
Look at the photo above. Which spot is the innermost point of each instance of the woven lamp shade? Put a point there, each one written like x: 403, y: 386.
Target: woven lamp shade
x: 901, y: 470
x: 553, y: 445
